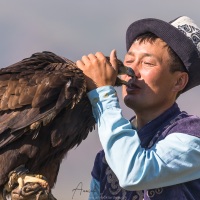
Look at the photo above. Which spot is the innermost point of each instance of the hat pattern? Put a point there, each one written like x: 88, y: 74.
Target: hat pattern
x: 192, y: 33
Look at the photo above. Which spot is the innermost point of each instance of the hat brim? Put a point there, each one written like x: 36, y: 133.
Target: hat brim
x: 176, y: 39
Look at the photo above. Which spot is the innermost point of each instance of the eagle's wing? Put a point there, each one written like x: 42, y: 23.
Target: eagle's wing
x: 33, y: 92
x: 44, y: 112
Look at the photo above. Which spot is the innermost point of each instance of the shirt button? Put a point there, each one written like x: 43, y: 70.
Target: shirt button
x: 105, y: 95
x: 95, y: 100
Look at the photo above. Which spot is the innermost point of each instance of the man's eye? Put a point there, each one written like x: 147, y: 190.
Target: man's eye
x: 148, y: 63
x: 129, y: 61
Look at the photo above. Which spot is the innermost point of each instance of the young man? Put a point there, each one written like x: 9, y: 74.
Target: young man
x: 156, y: 154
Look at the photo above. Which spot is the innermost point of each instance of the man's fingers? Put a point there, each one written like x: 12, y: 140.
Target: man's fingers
x: 92, y: 57
x: 99, y: 55
x: 113, y: 59
x: 86, y: 60
x: 80, y: 64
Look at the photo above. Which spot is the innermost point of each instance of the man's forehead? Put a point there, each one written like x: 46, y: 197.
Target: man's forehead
x: 156, y: 42
x: 149, y: 40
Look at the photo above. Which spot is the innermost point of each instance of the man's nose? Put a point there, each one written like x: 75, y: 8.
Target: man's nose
x: 136, y: 68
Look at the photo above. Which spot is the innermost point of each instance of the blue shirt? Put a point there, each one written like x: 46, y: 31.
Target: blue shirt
x: 172, y: 160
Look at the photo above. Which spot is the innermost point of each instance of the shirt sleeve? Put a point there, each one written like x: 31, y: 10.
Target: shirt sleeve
x: 172, y: 160
x: 94, y: 190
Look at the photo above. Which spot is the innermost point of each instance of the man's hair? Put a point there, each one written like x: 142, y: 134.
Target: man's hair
x: 176, y: 63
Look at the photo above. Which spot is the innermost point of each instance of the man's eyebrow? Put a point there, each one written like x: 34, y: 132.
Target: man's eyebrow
x: 159, y: 59
x: 144, y: 54
x: 130, y: 53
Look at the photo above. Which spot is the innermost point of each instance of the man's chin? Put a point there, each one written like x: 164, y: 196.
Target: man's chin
x: 128, y: 101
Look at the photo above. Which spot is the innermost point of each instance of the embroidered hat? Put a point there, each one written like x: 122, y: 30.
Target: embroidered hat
x: 181, y: 34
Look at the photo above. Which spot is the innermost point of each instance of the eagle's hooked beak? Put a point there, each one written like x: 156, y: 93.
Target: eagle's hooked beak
x: 122, y: 70
x: 125, y: 70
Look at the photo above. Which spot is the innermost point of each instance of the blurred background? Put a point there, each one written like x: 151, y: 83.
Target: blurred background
x: 73, y: 28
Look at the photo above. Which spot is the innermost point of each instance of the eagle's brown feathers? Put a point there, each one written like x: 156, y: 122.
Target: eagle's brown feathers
x: 44, y: 112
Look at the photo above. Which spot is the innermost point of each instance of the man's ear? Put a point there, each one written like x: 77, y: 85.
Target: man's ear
x: 181, y: 81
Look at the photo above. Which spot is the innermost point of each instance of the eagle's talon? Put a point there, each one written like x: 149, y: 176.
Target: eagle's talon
x: 21, y: 184
x: 36, y: 179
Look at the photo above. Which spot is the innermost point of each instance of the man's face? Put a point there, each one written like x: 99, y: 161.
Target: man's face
x: 153, y: 87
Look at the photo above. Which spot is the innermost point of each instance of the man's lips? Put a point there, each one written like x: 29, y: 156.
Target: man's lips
x: 132, y: 86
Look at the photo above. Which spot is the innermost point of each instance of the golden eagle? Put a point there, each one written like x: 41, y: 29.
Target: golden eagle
x: 44, y: 112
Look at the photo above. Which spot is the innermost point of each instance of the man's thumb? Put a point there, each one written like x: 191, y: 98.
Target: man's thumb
x: 113, y: 59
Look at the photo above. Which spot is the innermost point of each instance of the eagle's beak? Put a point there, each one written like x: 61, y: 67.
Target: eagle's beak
x: 124, y: 70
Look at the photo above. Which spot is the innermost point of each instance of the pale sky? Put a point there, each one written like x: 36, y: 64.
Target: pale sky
x: 73, y: 28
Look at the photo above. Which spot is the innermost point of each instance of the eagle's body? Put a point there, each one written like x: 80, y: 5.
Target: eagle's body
x: 44, y: 112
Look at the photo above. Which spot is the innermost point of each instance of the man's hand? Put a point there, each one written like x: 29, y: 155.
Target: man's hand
x: 98, y: 71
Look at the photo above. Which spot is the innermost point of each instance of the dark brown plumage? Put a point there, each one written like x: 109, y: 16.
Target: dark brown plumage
x: 44, y: 112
